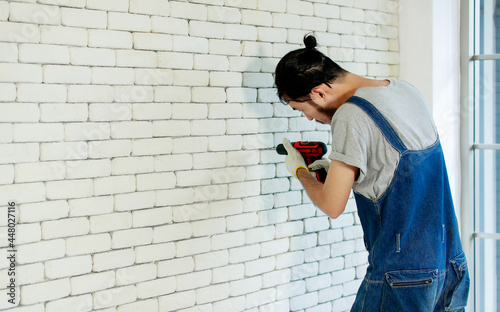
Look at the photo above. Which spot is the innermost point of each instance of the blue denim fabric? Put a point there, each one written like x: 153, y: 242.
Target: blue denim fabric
x: 416, y: 262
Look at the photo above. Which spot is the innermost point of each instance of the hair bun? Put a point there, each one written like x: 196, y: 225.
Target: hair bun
x: 310, y: 41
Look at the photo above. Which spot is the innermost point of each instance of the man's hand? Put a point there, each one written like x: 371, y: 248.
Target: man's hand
x: 319, y: 164
x: 294, y: 159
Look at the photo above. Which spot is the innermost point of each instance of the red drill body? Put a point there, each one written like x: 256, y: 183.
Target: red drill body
x: 311, y: 151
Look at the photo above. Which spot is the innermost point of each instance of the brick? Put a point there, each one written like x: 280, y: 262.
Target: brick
x: 113, y: 260
x: 88, y: 169
x: 190, y: 78
x: 132, y: 165
x: 135, y: 94
x: 92, y: 282
x: 221, y: 111
x: 275, y: 6
x: 111, y: 5
x: 45, y: 291
x: 190, y: 44
x: 290, y: 290
x: 34, y: 13
x: 65, y: 3
x: 228, y: 240
x: 116, y: 296
x: 148, y: 41
x: 156, y: 252
x: 225, y: 47
x: 112, y: 76
x: 112, y: 39
x: 224, y: 143
x: 172, y: 94
x: 155, y: 181
x: 193, y: 246
x: 89, y: 244
x: 16, y: 112
x: 304, y: 301
x: 63, y: 35
x: 151, y: 146
x: 11, y: 72
x: 330, y: 265
x: 173, y: 162
x: 28, y: 233
x: 92, y: 56
x: 69, y: 189
x: 260, y: 266
x: 110, y: 112
x: 63, y: 112
x: 237, y: 126
x: 188, y: 11
x: 4, y: 9
x: 144, y: 305
x: 228, y: 273
x: 212, y: 293
x: 189, y: 111
x: 193, y: 280
x: 211, y: 62
x: 209, y: 227
x: 156, y: 7
x: 175, y: 267
x: 67, y: 267
x: 135, y: 274
x: 135, y: 58
x: 172, y: 232
x: 66, y: 74
x: 254, y: 17
x: 90, y: 93
x: 110, y: 222
x: 246, y: 286
x: 37, y: 212
x: 209, y: 160
x: 156, y: 288
x: 177, y: 301
x: 109, y: 148
x: 84, y: 303
x: 190, y: 145
x: 211, y: 260
x: 244, y: 189
x: 7, y: 92
x: 168, y: 25
x: 23, y: 193
x: 223, y: 79
x: 343, y: 248
x: 19, y: 32
x: 220, y: 14
x: 206, y: 29
x: 133, y: 201
x: 46, y: 171
x: 38, y: 132
x: 90, y: 206
x: 129, y: 22
x: 40, y: 93
x: 44, y: 53
x: 41, y: 251
x: 6, y: 174
x: 133, y: 237
x: 259, y: 234
x: 131, y: 129
x: 65, y: 228
x: 281, y: 20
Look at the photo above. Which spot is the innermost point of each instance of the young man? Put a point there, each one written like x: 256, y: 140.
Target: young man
x: 386, y: 148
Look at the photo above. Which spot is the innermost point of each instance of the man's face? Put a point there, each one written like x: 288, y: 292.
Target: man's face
x: 312, y: 110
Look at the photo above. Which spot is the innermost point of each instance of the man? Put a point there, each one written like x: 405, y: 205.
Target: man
x: 386, y: 148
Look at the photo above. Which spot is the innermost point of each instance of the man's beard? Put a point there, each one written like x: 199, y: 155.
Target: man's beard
x: 329, y: 112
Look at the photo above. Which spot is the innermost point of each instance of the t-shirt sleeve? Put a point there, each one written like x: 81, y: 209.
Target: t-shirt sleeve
x: 349, y: 146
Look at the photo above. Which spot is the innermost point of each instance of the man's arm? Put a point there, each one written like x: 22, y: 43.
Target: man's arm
x: 332, y: 196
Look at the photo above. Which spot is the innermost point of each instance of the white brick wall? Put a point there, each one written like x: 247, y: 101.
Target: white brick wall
x: 137, y: 138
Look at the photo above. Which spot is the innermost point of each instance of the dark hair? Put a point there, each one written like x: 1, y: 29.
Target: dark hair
x: 299, y: 71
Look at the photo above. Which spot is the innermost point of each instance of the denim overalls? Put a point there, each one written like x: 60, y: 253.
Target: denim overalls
x: 416, y: 262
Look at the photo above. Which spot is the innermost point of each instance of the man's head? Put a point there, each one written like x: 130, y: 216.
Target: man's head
x: 300, y: 71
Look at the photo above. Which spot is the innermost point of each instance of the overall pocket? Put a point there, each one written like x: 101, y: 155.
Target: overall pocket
x: 457, y: 286
x: 409, y: 290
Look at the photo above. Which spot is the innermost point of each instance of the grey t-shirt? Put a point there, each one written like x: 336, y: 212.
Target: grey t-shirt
x: 357, y: 141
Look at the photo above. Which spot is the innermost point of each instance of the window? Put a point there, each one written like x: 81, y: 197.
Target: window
x: 481, y: 149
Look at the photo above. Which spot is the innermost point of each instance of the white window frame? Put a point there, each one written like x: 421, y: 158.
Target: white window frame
x: 470, y: 235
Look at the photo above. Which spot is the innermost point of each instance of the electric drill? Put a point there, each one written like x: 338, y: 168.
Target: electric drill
x: 311, y: 151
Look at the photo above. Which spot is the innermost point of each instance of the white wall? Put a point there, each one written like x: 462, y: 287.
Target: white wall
x: 137, y: 141
x: 430, y: 55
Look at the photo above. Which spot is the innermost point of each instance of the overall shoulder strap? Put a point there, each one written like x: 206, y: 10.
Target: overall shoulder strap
x: 380, y: 121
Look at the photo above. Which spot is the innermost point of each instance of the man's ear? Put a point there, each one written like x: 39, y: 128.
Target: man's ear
x: 319, y: 93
